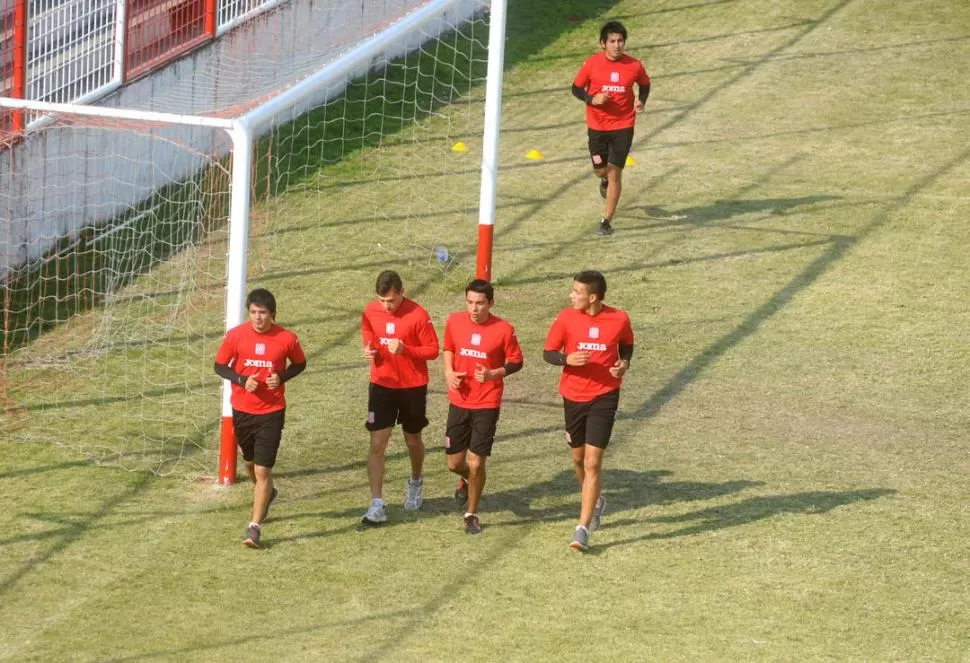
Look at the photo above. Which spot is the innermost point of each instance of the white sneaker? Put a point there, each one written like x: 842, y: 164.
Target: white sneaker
x: 376, y: 515
x: 415, y: 497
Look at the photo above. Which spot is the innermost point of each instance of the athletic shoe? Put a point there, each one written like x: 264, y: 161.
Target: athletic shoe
x: 252, y: 536
x: 605, y: 228
x: 415, y: 495
x: 604, y: 184
x: 594, y: 524
x: 580, y: 539
x: 272, y: 498
x: 461, y: 493
x: 376, y: 515
x: 472, y: 525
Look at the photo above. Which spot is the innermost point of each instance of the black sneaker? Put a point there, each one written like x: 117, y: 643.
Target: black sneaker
x: 604, y: 229
x: 252, y: 536
x: 461, y: 493
x: 604, y: 185
x: 472, y: 524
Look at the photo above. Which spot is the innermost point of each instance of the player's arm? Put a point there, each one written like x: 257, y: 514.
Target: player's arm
x: 291, y: 371
x: 226, y: 373
x: 226, y: 359
x: 452, y: 377
x: 428, y: 347
x: 513, y: 356
x: 581, y: 94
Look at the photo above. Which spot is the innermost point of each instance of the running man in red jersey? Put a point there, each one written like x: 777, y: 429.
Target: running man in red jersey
x: 258, y: 357
x: 481, y: 350
x: 593, y: 343
x: 605, y: 84
x: 399, y: 341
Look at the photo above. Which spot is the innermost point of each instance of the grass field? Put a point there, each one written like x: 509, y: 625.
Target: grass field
x: 787, y: 478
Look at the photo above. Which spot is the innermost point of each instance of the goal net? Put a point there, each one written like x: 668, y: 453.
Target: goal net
x: 115, y: 227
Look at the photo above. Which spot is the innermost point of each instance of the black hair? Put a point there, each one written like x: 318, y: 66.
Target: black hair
x: 594, y: 282
x: 387, y: 281
x: 612, y: 28
x: 482, y: 287
x: 263, y: 298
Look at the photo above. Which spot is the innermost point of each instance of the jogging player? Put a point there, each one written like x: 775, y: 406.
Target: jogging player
x: 481, y: 350
x: 605, y: 84
x: 258, y: 357
x: 593, y: 343
x: 399, y: 341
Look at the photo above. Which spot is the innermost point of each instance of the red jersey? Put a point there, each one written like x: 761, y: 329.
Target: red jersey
x: 616, y: 78
x: 412, y: 325
x: 249, y: 352
x: 493, y: 344
x: 601, y: 334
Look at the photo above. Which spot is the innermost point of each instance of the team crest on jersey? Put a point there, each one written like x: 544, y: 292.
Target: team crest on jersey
x: 614, y: 77
x: 594, y: 332
x: 389, y: 328
x: 476, y: 339
x: 260, y: 348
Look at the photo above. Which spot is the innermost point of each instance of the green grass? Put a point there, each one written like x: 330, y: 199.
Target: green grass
x: 787, y: 476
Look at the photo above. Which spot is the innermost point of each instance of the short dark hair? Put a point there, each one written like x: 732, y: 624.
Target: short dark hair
x: 612, y: 28
x: 263, y: 298
x: 594, y: 282
x: 482, y: 287
x: 388, y: 280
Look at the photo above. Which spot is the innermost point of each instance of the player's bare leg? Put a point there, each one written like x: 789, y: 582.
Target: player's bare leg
x: 251, y: 470
x: 476, y: 480
x: 415, y: 453
x: 375, y: 461
x: 262, y: 492
x: 458, y: 464
x: 615, y: 177
x: 592, y: 467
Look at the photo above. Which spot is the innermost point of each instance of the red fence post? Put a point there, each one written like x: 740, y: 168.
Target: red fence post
x: 19, y: 60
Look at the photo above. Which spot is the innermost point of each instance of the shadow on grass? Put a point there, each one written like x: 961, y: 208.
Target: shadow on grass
x: 624, y: 490
x: 744, y: 512
x: 43, y: 468
x: 71, y: 531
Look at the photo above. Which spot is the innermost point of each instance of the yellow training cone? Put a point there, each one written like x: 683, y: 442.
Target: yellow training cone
x: 535, y: 155
x: 459, y: 147
x: 630, y: 161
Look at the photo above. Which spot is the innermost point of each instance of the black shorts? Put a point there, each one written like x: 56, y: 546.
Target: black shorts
x: 259, y: 435
x: 473, y: 430
x: 592, y: 422
x: 387, y: 407
x: 611, y: 147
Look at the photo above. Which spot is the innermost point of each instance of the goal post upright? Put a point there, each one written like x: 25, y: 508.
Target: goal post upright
x: 490, y: 139
x: 241, y: 176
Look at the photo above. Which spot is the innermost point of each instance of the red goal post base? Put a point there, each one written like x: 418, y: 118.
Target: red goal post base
x: 227, y: 453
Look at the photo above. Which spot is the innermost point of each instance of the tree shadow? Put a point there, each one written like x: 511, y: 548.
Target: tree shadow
x: 624, y: 490
x: 72, y: 530
x: 748, y: 511
x: 720, y: 210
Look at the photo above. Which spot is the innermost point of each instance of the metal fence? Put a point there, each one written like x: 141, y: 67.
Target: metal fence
x: 77, y: 51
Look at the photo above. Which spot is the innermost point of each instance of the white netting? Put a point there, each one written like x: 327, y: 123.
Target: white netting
x: 113, y: 241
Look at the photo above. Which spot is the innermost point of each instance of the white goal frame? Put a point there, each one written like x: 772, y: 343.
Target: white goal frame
x: 244, y: 131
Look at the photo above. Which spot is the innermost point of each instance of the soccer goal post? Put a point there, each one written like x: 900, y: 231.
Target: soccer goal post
x: 130, y: 235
